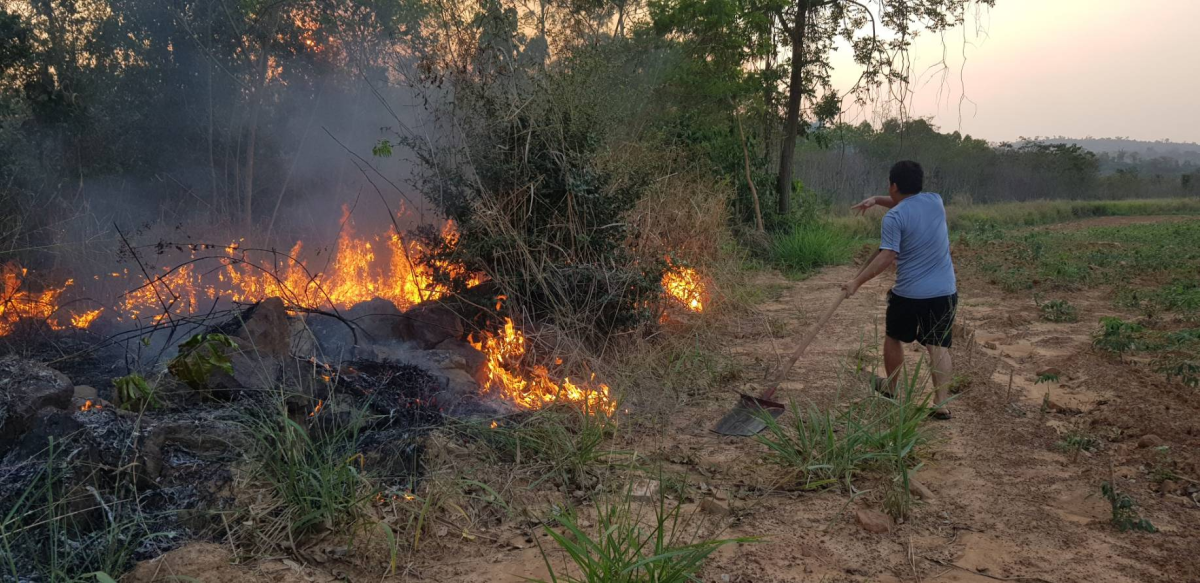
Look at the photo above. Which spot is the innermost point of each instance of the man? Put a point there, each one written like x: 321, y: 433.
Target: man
x: 921, y: 304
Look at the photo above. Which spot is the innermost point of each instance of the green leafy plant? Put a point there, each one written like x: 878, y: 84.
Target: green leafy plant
x: 627, y: 547
x: 1117, y: 336
x: 134, y: 393
x: 1187, y: 370
x: 1059, y: 311
x: 199, y: 357
x: 1124, y: 514
x: 1076, y: 442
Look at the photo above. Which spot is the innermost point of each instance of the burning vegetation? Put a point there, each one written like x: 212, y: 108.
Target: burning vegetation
x: 506, y: 349
x: 360, y: 269
x: 685, y: 286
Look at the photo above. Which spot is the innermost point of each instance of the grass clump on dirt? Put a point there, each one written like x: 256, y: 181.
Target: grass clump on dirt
x: 630, y: 543
x: 312, y: 481
x: 560, y: 445
x: 810, y: 246
x: 827, y: 447
x: 1059, y: 310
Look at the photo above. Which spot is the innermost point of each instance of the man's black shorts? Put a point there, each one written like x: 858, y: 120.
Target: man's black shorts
x: 926, y: 321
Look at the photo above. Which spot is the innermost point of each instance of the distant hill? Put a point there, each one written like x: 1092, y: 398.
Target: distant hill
x: 1186, y: 153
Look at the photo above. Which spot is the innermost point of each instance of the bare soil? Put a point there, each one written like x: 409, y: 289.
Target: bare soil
x: 1008, y: 504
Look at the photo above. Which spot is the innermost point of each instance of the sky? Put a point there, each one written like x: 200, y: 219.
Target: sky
x: 1076, y: 68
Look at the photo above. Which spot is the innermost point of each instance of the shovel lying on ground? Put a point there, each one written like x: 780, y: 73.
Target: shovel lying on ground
x: 746, y: 419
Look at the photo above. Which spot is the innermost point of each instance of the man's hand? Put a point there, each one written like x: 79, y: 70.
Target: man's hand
x: 851, y: 286
x: 861, y: 208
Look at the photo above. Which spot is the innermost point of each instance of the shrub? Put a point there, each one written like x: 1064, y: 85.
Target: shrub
x: 539, y: 211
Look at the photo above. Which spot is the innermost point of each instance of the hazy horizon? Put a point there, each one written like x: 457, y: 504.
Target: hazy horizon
x: 1072, y: 68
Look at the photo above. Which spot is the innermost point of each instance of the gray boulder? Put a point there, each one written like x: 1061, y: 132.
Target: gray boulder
x: 27, y: 387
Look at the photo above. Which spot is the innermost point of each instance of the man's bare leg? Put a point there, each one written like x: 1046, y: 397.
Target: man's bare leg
x: 893, y: 361
x: 943, y: 373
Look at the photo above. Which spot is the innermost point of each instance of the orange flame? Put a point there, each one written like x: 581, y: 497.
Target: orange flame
x: 685, y: 286
x: 362, y: 268
x: 17, y: 304
x: 317, y: 409
x: 536, y: 389
x: 88, y: 406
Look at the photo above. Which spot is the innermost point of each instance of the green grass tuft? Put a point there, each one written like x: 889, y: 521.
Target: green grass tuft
x: 808, y: 247
x: 627, y: 545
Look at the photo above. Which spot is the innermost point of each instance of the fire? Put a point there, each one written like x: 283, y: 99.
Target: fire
x: 684, y: 284
x: 495, y: 425
x: 85, y: 319
x: 17, y: 303
x: 361, y: 268
x: 88, y: 406
x: 536, y: 389
x: 317, y: 409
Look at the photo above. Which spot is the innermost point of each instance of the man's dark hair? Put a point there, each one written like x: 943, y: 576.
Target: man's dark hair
x: 908, y: 177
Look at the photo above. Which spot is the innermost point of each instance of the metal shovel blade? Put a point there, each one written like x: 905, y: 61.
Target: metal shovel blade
x: 746, y: 419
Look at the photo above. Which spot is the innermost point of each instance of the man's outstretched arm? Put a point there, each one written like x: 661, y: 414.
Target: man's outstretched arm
x: 883, y: 201
x: 881, y: 262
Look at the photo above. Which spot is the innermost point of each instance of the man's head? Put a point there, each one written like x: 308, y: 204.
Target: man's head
x: 905, y: 178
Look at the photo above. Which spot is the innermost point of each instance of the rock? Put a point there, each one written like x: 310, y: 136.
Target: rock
x: 303, y: 342
x: 644, y: 490
x: 920, y: 489
x: 377, y: 320
x: 251, y: 370
x: 1149, y: 440
x: 86, y: 393
x: 203, y: 442
x: 474, y: 362
x: 1049, y: 371
x: 265, y: 328
x: 873, y: 522
x: 429, y: 324
x: 713, y: 507
x: 1019, y: 351
x: 1060, y: 408
x: 27, y: 387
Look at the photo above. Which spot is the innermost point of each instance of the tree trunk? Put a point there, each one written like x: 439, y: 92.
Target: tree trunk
x: 791, y: 127
x: 252, y: 137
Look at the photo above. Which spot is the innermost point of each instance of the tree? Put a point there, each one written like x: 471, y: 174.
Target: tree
x: 812, y: 26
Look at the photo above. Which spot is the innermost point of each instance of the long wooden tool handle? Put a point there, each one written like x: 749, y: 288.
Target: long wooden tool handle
x: 812, y: 334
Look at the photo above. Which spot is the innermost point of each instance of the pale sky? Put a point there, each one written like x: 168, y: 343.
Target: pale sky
x: 1100, y: 68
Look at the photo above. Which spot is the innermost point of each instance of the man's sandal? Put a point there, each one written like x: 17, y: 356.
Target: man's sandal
x: 942, y: 414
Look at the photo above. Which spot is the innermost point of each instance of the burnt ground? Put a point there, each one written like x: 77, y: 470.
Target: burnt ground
x: 1008, y: 502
